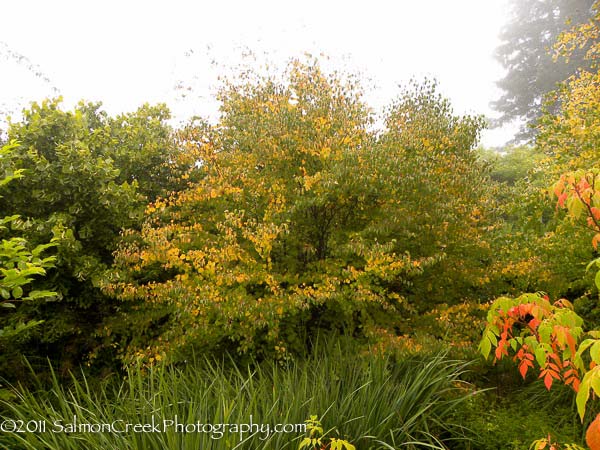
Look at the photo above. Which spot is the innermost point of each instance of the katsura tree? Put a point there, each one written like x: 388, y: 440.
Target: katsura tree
x: 299, y: 217
x: 441, y: 203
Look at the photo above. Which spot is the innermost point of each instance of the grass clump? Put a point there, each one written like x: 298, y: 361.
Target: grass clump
x: 373, y: 401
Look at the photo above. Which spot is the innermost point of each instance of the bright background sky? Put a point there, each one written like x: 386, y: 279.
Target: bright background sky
x: 125, y: 53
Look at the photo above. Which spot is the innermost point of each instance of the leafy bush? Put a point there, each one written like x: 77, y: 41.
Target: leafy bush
x: 303, y: 218
x: 515, y: 420
x: 87, y: 176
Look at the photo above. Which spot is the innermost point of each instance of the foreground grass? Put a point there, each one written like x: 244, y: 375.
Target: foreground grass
x: 372, y: 401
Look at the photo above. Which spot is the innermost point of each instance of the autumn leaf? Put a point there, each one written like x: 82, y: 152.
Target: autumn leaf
x: 592, y: 435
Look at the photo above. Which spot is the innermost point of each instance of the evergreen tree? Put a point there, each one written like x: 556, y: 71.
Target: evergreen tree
x: 525, y: 53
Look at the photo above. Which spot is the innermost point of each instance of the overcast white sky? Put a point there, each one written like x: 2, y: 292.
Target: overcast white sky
x: 125, y: 53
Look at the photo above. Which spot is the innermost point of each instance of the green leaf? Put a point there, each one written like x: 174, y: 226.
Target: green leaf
x: 305, y: 443
x: 348, y: 445
x: 584, y: 391
x: 595, y: 352
x: 596, y: 384
x: 584, y: 346
x: 485, y: 346
x: 33, y: 295
x: 17, y: 292
x: 575, y: 207
x: 40, y: 248
x: 593, y: 262
x: 540, y: 355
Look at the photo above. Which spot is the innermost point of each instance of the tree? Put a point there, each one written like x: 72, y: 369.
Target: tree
x: 525, y: 54
x: 300, y: 218
x: 568, y: 137
x: 569, y: 130
x: 543, y: 251
x: 89, y: 176
x: 513, y: 164
x: 536, y: 332
x: 434, y: 213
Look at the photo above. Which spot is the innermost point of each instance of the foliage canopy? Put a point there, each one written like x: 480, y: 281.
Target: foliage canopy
x: 303, y: 217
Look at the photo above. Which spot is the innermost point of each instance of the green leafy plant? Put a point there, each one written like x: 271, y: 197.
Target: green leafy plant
x: 88, y: 175
x: 318, y: 440
x: 18, y: 264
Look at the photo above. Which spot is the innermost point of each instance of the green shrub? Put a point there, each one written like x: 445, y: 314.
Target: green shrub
x: 515, y: 420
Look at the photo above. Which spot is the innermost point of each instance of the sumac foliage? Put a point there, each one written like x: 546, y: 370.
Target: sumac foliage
x: 534, y: 331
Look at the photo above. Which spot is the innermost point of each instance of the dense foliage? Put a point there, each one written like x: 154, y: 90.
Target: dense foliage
x: 133, y: 248
x: 87, y: 177
x: 19, y: 264
x: 303, y: 218
x: 552, y: 336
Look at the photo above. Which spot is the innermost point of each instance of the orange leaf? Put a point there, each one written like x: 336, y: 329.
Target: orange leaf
x: 592, y: 435
x: 558, y: 188
x: 501, y: 350
x: 595, y: 241
x: 548, y: 380
x: 561, y: 199
x: 571, y: 342
x: 582, y: 185
x: 523, y: 369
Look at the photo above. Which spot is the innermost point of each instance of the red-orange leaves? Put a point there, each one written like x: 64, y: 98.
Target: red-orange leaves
x: 501, y: 350
x: 551, y: 370
x: 577, y: 193
x: 595, y: 241
x: 536, y: 332
x: 562, y: 198
x: 526, y: 360
x: 592, y: 435
x: 571, y: 375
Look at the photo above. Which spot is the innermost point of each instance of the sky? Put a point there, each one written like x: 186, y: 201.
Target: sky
x: 125, y: 53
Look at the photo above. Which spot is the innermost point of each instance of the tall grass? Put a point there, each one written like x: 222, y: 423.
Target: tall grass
x: 374, y: 402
